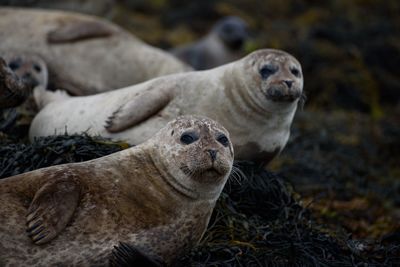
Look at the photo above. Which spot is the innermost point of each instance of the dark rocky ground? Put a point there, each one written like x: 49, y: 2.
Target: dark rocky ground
x: 332, y: 198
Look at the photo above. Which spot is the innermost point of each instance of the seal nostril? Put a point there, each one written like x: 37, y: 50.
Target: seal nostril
x: 213, y: 154
x: 289, y: 83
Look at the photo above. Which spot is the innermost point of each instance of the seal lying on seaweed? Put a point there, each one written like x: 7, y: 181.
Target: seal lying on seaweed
x: 157, y: 196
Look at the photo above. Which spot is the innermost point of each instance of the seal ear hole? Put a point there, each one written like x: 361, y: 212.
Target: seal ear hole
x: 172, y: 133
x: 223, y: 140
x: 295, y: 72
x: 189, y: 137
x: 268, y: 70
x: 37, y: 68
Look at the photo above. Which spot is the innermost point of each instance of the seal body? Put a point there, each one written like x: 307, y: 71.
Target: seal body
x: 85, y: 55
x: 157, y: 197
x: 223, y: 44
x: 93, y: 7
x: 255, y: 98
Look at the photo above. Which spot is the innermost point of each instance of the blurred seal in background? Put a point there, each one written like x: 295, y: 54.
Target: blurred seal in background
x: 223, y: 44
x: 84, y: 55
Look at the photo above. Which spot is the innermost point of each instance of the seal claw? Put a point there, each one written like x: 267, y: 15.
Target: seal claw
x: 34, y: 226
x: 41, y: 239
x: 36, y: 231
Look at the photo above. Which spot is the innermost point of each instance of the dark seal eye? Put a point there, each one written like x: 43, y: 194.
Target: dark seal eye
x: 295, y: 72
x: 223, y: 140
x: 37, y: 68
x: 189, y: 137
x: 268, y: 70
x: 13, y: 65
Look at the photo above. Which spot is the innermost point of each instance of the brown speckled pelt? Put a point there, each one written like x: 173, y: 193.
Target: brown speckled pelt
x: 157, y: 196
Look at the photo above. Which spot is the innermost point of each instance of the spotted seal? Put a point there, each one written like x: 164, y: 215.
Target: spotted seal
x: 255, y: 98
x: 157, y: 196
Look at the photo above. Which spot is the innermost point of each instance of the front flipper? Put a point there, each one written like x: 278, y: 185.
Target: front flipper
x: 73, y: 31
x: 51, y: 210
x: 138, y: 109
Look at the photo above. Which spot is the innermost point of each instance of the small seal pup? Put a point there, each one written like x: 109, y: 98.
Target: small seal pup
x: 222, y: 45
x: 85, y: 55
x: 157, y: 196
x: 255, y: 98
x: 18, y: 75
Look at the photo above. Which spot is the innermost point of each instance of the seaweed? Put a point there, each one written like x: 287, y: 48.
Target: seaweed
x: 258, y: 222
x: 259, y: 219
x: 53, y: 150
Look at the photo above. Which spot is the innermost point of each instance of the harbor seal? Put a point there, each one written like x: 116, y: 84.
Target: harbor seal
x: 157, y: 197
x: 222, y: 45
x: 93, y: 7
x: 18, y: 75
x: 255, y: 98
x: 85, y: 55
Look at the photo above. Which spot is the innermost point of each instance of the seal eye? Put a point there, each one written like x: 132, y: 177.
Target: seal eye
x: 295, y: 72
x: 189, y: 137
x: 223, y: 140
x: 268, y: 70
x: 37, y: 68
x: 14, y: 65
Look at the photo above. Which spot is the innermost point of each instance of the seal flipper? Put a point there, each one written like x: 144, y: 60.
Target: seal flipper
x: 127, y: 255
x: 138, y: 109
x: 51, y: 210
x: 74, y: 31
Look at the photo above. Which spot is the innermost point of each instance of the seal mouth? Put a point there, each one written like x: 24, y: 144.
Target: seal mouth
x: 279, y: 95
x: 212, y: 171
x: 283, y: 98
x: 200, y: 174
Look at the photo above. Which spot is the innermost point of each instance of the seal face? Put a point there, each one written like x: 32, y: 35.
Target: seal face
x: 18, y: 75
x: 232, y: 31
x: 255, y: 98
x: 157, y: 197
x: 281, y: 77
x: 204, y: 155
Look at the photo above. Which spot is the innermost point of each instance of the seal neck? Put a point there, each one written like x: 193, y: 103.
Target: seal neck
x: 169, y: 178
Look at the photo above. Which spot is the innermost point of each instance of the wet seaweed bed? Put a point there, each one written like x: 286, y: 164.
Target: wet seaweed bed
x: 261, y: 219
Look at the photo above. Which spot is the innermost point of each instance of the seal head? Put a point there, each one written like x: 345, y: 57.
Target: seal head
x: 196, y: 154
x: 233, y: 31
x: 18, y: 75
x: 276, y: 79
x: 32, y: 69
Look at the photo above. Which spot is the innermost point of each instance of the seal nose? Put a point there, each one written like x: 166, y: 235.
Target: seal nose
x: 289, y: 83
x: 213, y: 154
